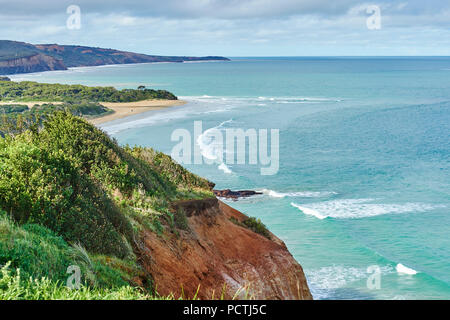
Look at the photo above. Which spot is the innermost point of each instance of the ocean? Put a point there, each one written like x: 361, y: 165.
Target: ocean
x: 362, y: 194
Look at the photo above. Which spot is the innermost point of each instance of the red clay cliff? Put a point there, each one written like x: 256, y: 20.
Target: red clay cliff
x: 215, y: 256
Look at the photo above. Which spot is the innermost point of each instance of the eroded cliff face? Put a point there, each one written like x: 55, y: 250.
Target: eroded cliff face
x: 21, y: 57
x: 34, y: 63
x: 214, y: 251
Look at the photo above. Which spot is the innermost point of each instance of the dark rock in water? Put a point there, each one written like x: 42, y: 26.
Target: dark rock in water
x: 5, y: 79
x: 227, y: 193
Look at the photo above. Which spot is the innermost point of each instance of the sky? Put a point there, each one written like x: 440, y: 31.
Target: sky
x: 236, y: 28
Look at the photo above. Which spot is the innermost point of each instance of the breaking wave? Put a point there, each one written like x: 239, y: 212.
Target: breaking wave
x: 359, y: 208
x: 400, y: 268
x: 301, y: 194
x: 212, y: 149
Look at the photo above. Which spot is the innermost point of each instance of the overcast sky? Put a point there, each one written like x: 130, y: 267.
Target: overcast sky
x: 236, y: 27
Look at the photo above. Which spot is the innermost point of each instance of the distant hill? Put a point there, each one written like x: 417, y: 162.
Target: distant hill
x: 21, y: 57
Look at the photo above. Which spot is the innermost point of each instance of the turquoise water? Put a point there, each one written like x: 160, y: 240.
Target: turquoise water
x: 364, y: 174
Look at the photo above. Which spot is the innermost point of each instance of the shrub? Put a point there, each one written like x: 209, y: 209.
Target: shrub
x: 40, y: 184
x: 13, y: 108
x: 180, y: 220
x: 253, y: 224
x: 71, y: 195
x: 34, y: 91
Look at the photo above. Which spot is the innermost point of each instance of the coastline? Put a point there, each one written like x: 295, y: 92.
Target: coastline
x: 107, y: 65
x: 120, y: 109
x: 125, y: 109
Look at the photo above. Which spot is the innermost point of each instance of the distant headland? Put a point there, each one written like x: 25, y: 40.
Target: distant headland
x: 20, y: 57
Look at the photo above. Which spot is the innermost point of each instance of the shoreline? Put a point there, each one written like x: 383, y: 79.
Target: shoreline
x: 120, y: 110
x: 125, y: 109
x: 106, y: 65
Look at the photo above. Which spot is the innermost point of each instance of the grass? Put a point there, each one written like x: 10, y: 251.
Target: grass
x: 13, y: 286
x: 71, y: 196
x: 253, y: 224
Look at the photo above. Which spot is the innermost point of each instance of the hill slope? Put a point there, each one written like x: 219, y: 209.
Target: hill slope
x: 128, y: 217
x: 20, y: 57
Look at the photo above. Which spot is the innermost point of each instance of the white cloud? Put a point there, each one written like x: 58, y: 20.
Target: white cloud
x: 244, y: 27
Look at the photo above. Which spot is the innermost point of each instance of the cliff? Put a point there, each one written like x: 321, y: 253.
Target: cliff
x: 215, y: 256
x: 20, y: 57
x: 127, y: 217
x: 82, y: 56
x: 34, y: 63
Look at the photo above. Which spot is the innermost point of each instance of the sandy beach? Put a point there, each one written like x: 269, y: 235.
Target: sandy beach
x: 126, y: 109
x: 121, y: 109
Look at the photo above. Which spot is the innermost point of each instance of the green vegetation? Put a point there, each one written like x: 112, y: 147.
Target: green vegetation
x: 73, y: 179
x: 16, y: 118
x: 79, y: 100
x: 180, y: 220
x: 253, y: 224
x: 14, y: 50
x: 70, y: 195
x: 13, y: 108
x: 34, y: 91
x: 13, y: 286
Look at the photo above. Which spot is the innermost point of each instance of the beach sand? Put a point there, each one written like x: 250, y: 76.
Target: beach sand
x: 121, y: 109
x: 126, y: 109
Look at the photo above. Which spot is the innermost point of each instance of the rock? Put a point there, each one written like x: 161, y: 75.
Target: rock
x: 227, y: 193
x: 34, y: 63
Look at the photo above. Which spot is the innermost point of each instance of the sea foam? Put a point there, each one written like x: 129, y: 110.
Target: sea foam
x: 359, y: 208
x: 301, y: 194
x: 210, y: 149
x: 400, y: 268
x: 326, y: 279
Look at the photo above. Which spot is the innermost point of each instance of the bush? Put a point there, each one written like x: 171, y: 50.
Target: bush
x: 42, y: 184
x: 34, y: 91
x: 173, y: 172
x: 180, y: 220
x: 13, y: 108
x: 63, y: 177
x: 253, y: 224
x: 72, y: 196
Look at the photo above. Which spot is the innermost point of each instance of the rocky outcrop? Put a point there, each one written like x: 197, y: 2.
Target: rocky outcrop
x: 34, y: 63
x: 227, y: 193
x: 215, y: 256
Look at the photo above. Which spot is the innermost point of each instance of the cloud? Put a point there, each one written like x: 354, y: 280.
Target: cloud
x: 221, y: 9
x: 235, y: 27
x: 227, y: 9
